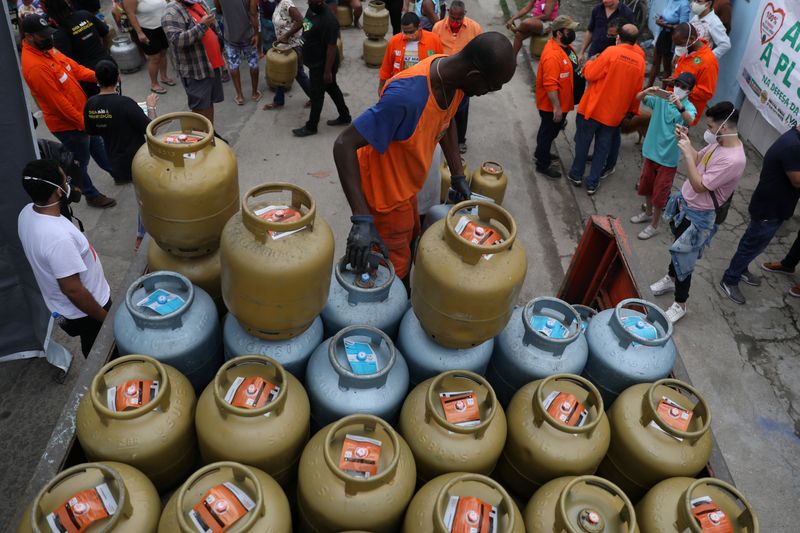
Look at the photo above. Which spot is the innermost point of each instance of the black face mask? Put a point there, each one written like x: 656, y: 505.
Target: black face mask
x: 568, y: 37
x: 316, y: 8
x: 46, y: 44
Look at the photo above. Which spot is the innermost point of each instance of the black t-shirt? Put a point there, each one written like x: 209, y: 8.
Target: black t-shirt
x: 319, y: 30
x: 122, y: 125
x: 775, y: 197
x: 578, y: 81
x: 80, y: 37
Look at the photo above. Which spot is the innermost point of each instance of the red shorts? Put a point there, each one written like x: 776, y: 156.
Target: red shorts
x: 656, y: 182
x: 398, y: 228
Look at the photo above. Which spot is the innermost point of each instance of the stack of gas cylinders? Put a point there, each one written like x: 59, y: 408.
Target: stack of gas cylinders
x: 462, y: 412
x: 376, y: 24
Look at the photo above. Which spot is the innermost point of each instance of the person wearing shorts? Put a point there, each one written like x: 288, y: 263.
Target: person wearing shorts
x: 660, y: 148
x: 192, y: 32
x: 144, y: 17
x: 241, y: 36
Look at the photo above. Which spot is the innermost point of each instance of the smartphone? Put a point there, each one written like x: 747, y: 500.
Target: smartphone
x: 661, y: 93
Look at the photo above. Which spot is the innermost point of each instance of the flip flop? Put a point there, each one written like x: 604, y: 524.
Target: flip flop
x: 257, y: 98
x: 171, y: 83
x: 238, y: 100
x: 158, y: 91
x: 272, y: 105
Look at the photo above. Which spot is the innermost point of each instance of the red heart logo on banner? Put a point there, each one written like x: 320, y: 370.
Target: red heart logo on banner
x: 771, y: 22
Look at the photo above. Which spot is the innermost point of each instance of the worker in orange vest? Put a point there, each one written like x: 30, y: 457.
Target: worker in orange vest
x: 407, y: 48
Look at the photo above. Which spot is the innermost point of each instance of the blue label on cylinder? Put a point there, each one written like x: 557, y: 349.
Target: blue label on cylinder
x: 549, y: 327
x: 639, y: 327
x: 361, y: 357
x: 162, y: 302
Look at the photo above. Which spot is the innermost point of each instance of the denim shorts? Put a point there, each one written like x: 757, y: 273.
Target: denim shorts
x: 234, y: 54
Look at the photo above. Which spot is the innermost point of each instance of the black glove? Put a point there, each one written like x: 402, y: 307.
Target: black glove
x: 459, y: 189
x: 363, y: 236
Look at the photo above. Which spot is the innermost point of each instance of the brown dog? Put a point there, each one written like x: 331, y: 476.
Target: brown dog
x: 637, y: 124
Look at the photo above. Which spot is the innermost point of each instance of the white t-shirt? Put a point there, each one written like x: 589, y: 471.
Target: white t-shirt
x: 714, y: 31
x: 56, y: 249
x: 283, y: 22
x: 149, y: 13
x: 411, y: 55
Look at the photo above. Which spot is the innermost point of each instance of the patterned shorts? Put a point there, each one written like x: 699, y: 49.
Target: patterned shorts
x: 234, y: 55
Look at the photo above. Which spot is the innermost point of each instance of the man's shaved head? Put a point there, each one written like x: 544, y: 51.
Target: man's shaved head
x: 628, y: 33
x: 492, y: 56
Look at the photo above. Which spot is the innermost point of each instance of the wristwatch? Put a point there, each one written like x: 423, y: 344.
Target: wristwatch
x: 681, y: 109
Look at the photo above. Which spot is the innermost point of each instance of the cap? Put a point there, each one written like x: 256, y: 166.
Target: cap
x: 562, y: 21
x: 37, y: 25
x: 687, y: 78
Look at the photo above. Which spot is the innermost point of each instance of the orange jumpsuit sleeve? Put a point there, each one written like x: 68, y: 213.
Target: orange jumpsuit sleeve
x: 437, y: 44
x: 387, y: 66
x: 41, y: 81
x: 550, y: 73
x: 596, y: 68
x: 706, y: 83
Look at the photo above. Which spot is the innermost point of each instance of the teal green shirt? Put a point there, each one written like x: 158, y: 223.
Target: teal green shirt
x: 660, y: 144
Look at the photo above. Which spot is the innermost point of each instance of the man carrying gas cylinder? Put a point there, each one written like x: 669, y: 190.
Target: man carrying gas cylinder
x: 384, y: 156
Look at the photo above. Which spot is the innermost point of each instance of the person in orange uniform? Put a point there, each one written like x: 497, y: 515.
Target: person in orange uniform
x: 615, y: 77
x: 54, y: 81
x: 407, y: 48
x: 695, y: 57
x: 383, y: 157
x: 455, y: 32
x: 555, y: 90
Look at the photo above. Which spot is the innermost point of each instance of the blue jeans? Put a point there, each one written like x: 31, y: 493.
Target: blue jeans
x: 586, y: 131
x: 613, y: 154
x: 301, y: 78
x: 84, y: 146
x: 756, y: 237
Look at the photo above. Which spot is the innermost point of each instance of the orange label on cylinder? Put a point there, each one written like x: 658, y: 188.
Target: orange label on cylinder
x: 182, y: 138
x: 132, y: 394
x: 565, y: 408
x: 82, y: 510
x: 461, y: 408
x: 710, y: 517
x: 673, y: 414
x: 467, y: 514
x: 280, y: 214
x: 476, y: 233
x: 251, y: 392
x: 221, y: 507
x: 360, y: 456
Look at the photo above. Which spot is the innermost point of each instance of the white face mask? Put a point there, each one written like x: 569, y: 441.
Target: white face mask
x: 681, y: 51
x: 709, y: 137
x: 714, y: 137
x: 681, y: 93
x: 698, y: 7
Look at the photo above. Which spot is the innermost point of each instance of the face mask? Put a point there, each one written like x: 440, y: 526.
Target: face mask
x: 609, y: 3
x: 455, y: 25
x: 568, y: 37
x: 681, y: 51
x: 411, y: 37
x: 681, y: 93
x: 44, y: 45
x: 714, y: 137
x: 698, y: 7
x: 317, y: 8
x: 709, y: 137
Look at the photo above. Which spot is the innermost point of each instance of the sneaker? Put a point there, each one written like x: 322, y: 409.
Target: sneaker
x: 575, y: 181
x: 591, y: 189
x: 662, y: 286
x: 339, y: 121
x: 776, y: 267
x: 795, y: 291
x: 675, y: 312
x: 647, y: 232
x: 303, y: 132
x: 607, y: 172
x: 641, y: 218
x: 101, y: 201
x: 751, y: 279
x: 732, y: 292
x: 462, y: 148
x: 550, y: 172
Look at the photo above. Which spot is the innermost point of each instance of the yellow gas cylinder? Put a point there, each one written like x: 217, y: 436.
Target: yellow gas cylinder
x: 281, y: 65
x: 121, y: 498
x: 256, y: 413
x: 376, y: 19
x: 697, y: 505
x: 344, y: 15
x: 490, y: 180
x: 357, y: 473
x: 444, y: 173
x: 374, y: 50
x: 453, y: 423
x: 537, y: 44
x: 277, y: 259
x: 468, y: 273
x: 658, y: 430
x: 456, y: 498
x: 140, y: 412
x: 187, y: 184
x: 241, y: 497
x: 556, y: 427
x: 580, y: 504
x: 203, y: 271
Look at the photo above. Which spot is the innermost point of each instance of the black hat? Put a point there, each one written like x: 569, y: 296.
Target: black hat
x: 37, y: 25
x: 687, y: 78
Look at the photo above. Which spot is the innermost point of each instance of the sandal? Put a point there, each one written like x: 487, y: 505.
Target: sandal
x: 258, y: 96
x: 160, y: 90
x: 239, y: 101
x: 272, y: 105
x: 169, y: 82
